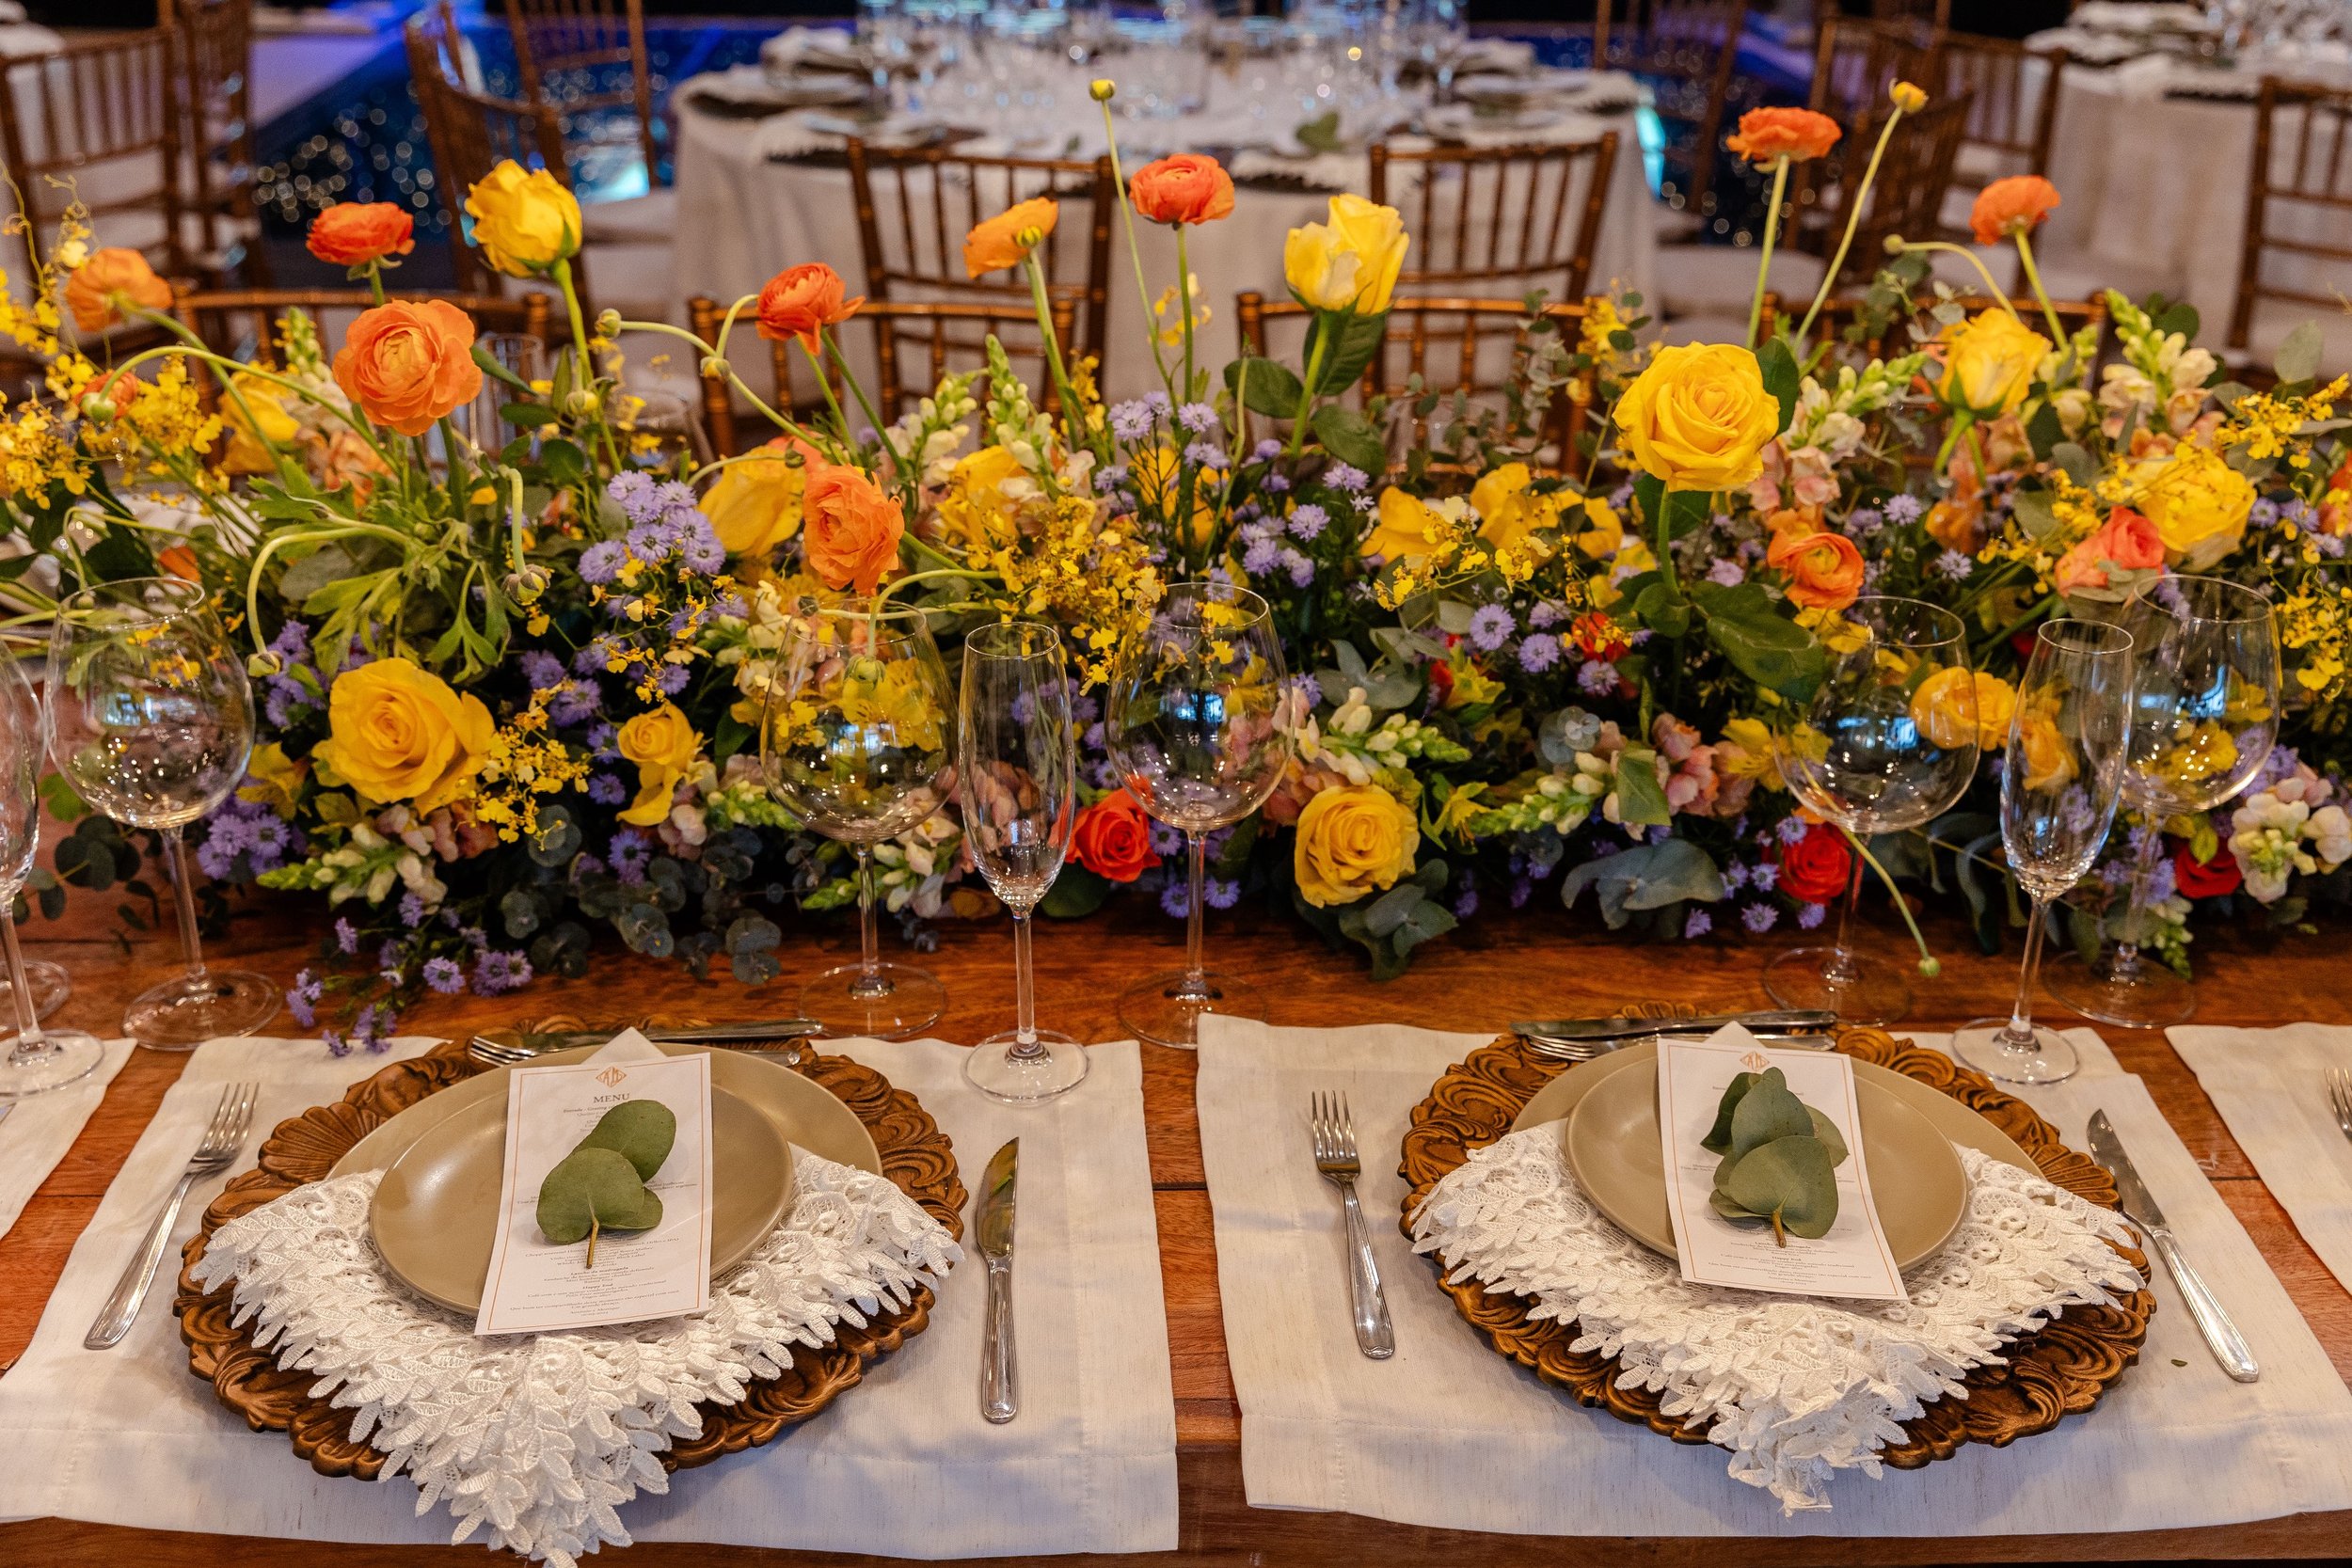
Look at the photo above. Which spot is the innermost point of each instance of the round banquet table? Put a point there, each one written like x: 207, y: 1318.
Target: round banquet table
x: 744, y: 213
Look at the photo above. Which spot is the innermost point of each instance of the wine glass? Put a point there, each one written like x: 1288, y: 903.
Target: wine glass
x: 48, y: 984
x: 35, y: 1060
x: 1017, y: 771
x: 1888, y: 743
x: 1192, y: 726
x: 2069, y: 741
x: 153, y: 722
x: 2205, y: 716
x: 855, y: 741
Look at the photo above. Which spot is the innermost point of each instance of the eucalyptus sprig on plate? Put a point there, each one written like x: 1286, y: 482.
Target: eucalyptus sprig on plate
x: 1780, y: 1158
x: 600, y: 1184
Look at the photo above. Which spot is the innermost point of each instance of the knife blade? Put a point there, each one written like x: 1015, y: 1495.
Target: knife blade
x: 1000, y: 1383
x: 2222, y: 1338
x: 1792, y: 1020
x: 713, y: 1033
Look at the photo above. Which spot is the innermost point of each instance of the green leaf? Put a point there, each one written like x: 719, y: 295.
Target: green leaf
x: 528, y: 415
x: 2031, y: 508
x: 564, y: 462
x: 1353, y: 341
x: 1831, y: 1138
x: 1718, y: 1139
x: 1649, y: 499
x: 1076, y: 893
x: 1350, y: 438
x: 1771, y: 650
x: 2298, y: 359
x: 640, y: 1130
x: 2077, y: 464
x: 2043, y: 430
x: 58, y: 799
x: 496, y: 372
x: 1790, y: 1181
x: 590, y: 1188
x: 1658, y: 608
x: 1385, y: 913
x: 2181, y: 318
x: 120, y: 554
x: 1641, y: 798
x: 1272, y: 389
x: 1768, y: 1110
x: 1644, y: 877
x: 1781, y: 378
x: 1321, y: 134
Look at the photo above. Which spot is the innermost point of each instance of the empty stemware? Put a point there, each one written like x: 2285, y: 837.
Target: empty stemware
x: 33, y: 1060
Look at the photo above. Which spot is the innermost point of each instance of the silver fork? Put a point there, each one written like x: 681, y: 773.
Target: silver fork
x: 222, y: 1139
x: 2340, y: 1098
x: 1335, y: 1157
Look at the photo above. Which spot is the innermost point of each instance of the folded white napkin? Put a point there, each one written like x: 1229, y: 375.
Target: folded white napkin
x: 799, y: 47
x: 2271, y: 1086
x: 35, y: 1134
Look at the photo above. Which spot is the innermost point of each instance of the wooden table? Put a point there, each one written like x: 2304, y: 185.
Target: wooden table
x: 1539, y: 961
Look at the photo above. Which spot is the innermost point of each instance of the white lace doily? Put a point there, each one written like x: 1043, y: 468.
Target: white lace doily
x: 1796, y: 1387
x: 539, y: 1439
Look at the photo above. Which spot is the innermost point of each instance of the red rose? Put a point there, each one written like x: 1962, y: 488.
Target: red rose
x: 1818, y: 866
x: 1113, y: 839
x: 2210, y: 878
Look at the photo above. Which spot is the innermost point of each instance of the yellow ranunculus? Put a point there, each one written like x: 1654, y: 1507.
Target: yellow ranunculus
x: 1508, y: 511
x: 756, y: 505
x: 663, y: 745
x: 2049, y: 761
x: 245, y: 453
x: 1353, y: 840
x: 1947, y: 701
x: 1698, y: 418
x: 525, y: 221
x: 1605, y: 536
x: 2199, y: 504
x: 1402, y: 528
x: 1349, y: 263
x: 398, y: 732
x: 975, y: 509
x: 1989, y: 362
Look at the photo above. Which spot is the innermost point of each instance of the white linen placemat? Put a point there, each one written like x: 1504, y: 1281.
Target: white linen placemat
x: 35, y: 1134
x: 2271, y: 1088
x: 1449, y: 1435
x: 901, y: 1466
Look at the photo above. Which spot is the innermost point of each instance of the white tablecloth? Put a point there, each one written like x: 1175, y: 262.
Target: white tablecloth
x: 2270, y: 1086
x: 1449, y: 1435
x: 901, y: 1466
x: 35, y: 1134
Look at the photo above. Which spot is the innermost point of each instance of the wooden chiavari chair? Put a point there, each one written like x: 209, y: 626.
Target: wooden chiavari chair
x: 1446, y: 346
x: 216, y: 56
x: 1907, y: 195
x: 1517, y: 212
x: 915, y: 204
x: 1854, y: 63
x: 924, y: 337
x: 243, y: 324
x: 101, y: 121
x: 2013, y: 94
x: 2300, y: 186
x: 1687, y: 50
x: 563, y: 48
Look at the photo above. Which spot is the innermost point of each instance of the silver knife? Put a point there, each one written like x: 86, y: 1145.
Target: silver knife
x: 1796, y: 1021
x: 714, y: 1033
x: 2222, y: 1336
x: 1000, y: 1382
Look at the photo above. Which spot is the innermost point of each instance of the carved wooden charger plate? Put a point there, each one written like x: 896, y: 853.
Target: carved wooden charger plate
x: 2059, y: 1371
x: 915, y: 1154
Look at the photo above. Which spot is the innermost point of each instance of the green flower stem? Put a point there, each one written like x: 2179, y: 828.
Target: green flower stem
x: 2033, y: 277
x: 2000, y: 295
x: 571, y: 309
x: 1307, y: 388
x: 286, y: 470
x: 840, y: 421
x: 302, y: 536
x: 891, y: 590
x: 1772, y: 232
x: 1963, y: 422
x: 1184, y: 303
x: 791, y: 427
x: 1134, y: 251
x: 1853, y: 221
x: 375, y: 279
x: 881, y: 432
x: 1929, y: 965
x: 1053, y: 347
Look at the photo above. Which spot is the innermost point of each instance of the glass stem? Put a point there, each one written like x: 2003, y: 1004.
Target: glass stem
x: 29, y: 1040
x: 1025, y: 1042
x: 183, y: 895
x: 869, y: 982
x: 2125, y: 965
x: 1196, y: 966
x: 1842, y: 969
x: 2018, y: 1038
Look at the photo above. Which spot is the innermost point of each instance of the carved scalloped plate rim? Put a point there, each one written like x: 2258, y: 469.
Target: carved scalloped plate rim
x: 916, y: 1155
x: 2061, y: 1371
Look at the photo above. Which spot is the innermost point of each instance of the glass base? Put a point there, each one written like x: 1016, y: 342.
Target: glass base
x: 188, y: 1010
x: 2044, y: 1056
x: 2135, y: 994
x: 1166, y: 1009
x: 1866, y: 989
x: 892, y: 1003
x: 51, y: 986
x: 997, y: 1067
x: 64, y: 1056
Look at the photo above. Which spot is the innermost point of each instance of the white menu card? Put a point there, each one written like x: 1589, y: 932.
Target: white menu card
x: 1853, y: 1261
x: 536, y: 1287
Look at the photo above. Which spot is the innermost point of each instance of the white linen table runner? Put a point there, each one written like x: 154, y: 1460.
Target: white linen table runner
x: 2271, y: 1086
x: 35, y: 1134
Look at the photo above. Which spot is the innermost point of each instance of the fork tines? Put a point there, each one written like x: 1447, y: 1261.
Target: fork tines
x: 2340, y: 1098
x: 231, y: 1120
x: 1334, y: 1129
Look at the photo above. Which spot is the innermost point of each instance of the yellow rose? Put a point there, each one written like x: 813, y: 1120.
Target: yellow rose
x: 525, y: 221
x: 1402, y: 528
x: 976, y: 508
x: 1349, y: 263
x: 1989, y: 362
x: 663, y: 745
x: 1605, y: 536
x: 2049, y: 761
x: 1508, y: 511
x: 756, y: 505
x: 1352, y: 841
x: 398, y: 732
x: 1947, y: 701
x: 245, y: 453
x: 1698, y: 418
x: 2199, y: 504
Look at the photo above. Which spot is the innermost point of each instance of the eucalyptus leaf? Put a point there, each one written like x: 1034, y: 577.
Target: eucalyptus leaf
x: 594, y: 1189
x: 1768, y: 1111
x: 1831, y: 1138
x: 1790, y: 1182
x: 2298, y: 359
x: 1718, y: 1139
x: 640, y: 1130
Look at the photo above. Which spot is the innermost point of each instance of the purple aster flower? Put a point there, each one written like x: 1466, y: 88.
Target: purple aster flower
x: 1759, y: 918
x: 673, y: 679
x: 444, y: 975
x: 1176, y: 900
x: 700, y: 549
x: 1465, y: 903
x: 1199, y: 418
x: 1903, y: 510
x: 1539, y: 652
x: 1301, y: 569
x: 606, y: 790
x: 1131, y: 420
x: 542, y: 670
x: 1697, y: 924
x: 600, y: 739
x: 1267, y: 450
x: 1491, y: 627
x: 1864, y: 521
x: 1346, y: 475
x: 1727, y: 571
x: 1791, y: 828
x: 335, y: 1045
x: 1764, y: 875
x: 1165, y: 839
x: 1735, y: 877
x: 651, y: 541
x: 1953, y: 564
x: 2264, y: 513
x: 372, y: 1027
x: 389, y: 955
x: 302, y: 1000
x: 632, y: 490
x: 1307, y: 521
x: 673, y: 495
x: 1209, y: 456
x: 1545, y: 613
x: 1811, y: 916
x: 575, y: 704
x: 473, y: 937
x: 1597, y: 677
x: 1275, y: 484
x: 628, y: 853
x: 1220, y: 894
x: 600, y: 562
x: 1257, y: 558
x: 346, y: 936
x: 496, y: 972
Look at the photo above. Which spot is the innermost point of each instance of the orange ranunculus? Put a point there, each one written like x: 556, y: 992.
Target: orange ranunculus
x: 1767, y: 135
x: 180, y: 561
x: 91, y: 293
x: 1825, y: 570
x: 1113, y: 839
x: 407, y: 364
x: 848, y: 529
x: 1188, y: 187
x: 1012, y: 234
x: 799, y: 302
x: 2015, y: 205
x: 358, y: 232
x: 2126, y: 541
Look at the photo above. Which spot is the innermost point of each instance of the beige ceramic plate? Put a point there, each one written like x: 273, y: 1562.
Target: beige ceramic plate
x: 805, y: 1113
x: 435, y: 1214
x: 1956, y: 1123
x: 1915, y: 1179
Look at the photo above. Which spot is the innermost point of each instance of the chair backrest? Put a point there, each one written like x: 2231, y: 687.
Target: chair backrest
x: 1907, y: 195
x: 216, y: 53
x: 2013, y: 108
x: 1690, y: 49
x: 106, y: 116
x: 1448, y: 346
x: 563, y: 47
x: 1530, y: 215
x: 1856, y: 60
x: 243, y: 324
x: 2298, y: 203
x: 915, y: 204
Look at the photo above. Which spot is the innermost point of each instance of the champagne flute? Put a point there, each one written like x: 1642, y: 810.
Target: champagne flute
x: 2069, y: 741
x: 2205, y: 716
x: 854, y: 742
x: 1888, y: 743
x: 1192, y: 726
x: 1017, y: 771
x: 153, y: 723
x: 34, y: 1060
